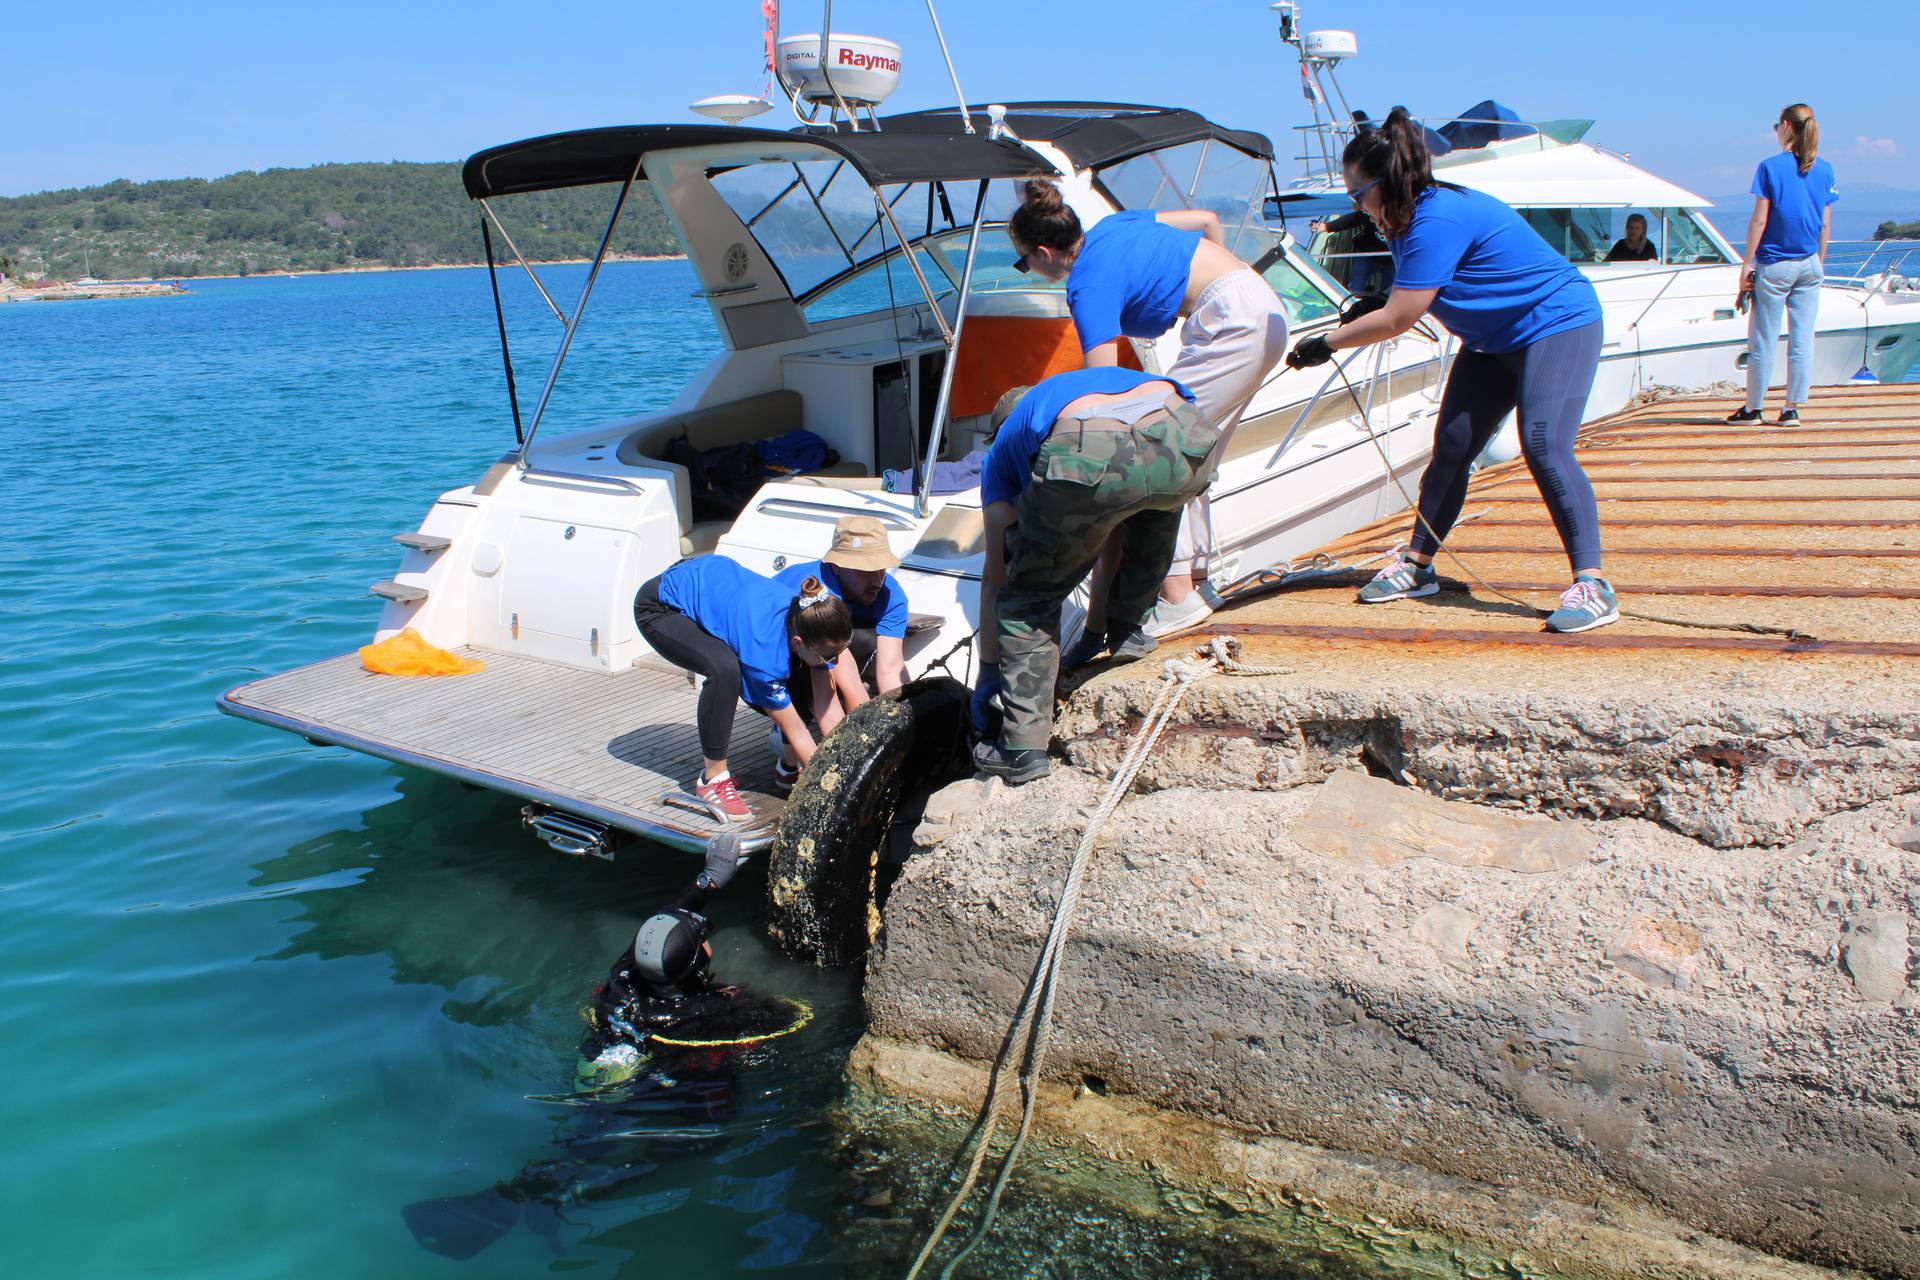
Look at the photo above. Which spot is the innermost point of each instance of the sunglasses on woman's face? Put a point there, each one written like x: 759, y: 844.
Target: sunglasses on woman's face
x: 1020, y: 263
x: 1361, y: 190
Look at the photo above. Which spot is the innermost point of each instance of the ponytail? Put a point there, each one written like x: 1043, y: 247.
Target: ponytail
x: 1806, y: 133
x: 819, y: 617
x: 1394, y: 157
x: 1043, y: 220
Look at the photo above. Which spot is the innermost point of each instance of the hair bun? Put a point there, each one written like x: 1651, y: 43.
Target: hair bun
x: 1042, y: 195
x: 812, y: 586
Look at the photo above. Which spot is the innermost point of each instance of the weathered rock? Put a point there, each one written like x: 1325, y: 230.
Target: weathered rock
x: 950, y: 804
x: 1908, y: 839
x: 1296, y: 996
x: 1661, y: 953
x: 1876, y: 956
x: 1446, y: 929
x: 1730, y: 765
x: 1357, y: 816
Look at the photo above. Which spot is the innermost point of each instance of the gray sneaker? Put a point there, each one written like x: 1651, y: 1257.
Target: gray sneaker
x: 1133, y: 646
x: 1168, y: 618
x: 1587, y: 604
x: 1400, y: 579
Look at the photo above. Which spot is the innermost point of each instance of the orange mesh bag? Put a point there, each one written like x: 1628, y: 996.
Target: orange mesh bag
x: 407, y: 654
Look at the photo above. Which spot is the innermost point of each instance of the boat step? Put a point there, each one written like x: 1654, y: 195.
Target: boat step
x: 427, y: 542
x: 398, y: 592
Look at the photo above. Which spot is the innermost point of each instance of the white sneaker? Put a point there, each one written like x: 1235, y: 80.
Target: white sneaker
x: 1168, y: 618
x: 1211, y: 594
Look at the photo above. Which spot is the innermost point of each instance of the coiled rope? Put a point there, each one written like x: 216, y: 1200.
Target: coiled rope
x: 1031, y: 1031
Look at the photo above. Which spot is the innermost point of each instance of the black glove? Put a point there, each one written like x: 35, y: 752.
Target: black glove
x: 1361, y: 304
x: 1309, y: 352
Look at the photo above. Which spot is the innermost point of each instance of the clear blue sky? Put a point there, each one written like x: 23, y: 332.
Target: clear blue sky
x: 92, y: 92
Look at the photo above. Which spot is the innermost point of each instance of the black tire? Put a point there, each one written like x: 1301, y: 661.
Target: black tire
x: 824, y: 862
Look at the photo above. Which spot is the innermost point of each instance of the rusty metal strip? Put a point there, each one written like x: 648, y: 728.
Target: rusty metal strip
x: 1585, y: 640
x: 1675, y: 499
x: 1784, y: 553
x: 1696, y: 431
x: 1671, y: 589
x: 1660, y: 522
x: 1882, y: 477
x: 1609, y: 447
x: 1604, y: 458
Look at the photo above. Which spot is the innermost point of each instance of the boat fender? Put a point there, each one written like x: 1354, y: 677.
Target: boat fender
x: 823, y: 868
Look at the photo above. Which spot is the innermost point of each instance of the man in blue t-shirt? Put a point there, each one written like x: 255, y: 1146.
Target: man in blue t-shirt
x: 1081, y: 456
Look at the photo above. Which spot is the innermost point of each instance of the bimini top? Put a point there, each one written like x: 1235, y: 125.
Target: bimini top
x: 588, y: 156
x: 1092, y: 134
x: 918, y: 146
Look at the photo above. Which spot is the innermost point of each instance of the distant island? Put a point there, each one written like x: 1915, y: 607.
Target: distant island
x: 324, y: 218
x: 1891, y: 230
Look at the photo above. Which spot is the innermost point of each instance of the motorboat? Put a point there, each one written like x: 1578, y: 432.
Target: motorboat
x: 861, y: 287
x: 1670, y: 322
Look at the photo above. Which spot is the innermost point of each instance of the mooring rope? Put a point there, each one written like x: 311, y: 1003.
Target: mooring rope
x: 1030, y: 1033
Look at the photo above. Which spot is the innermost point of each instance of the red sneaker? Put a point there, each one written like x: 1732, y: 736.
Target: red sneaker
x: 724, y: 796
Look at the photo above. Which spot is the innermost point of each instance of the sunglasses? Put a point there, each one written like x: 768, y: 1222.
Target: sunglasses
x: 812, y: 659
x: 1362, y: 189
x: 1020, y: 264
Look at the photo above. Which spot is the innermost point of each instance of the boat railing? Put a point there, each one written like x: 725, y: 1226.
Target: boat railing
x: 1883, y: 266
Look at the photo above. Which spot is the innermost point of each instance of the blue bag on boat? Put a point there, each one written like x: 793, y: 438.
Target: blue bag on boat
x: 795, y: 453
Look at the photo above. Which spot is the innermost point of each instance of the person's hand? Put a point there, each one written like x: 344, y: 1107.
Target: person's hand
x: 1309, y: 352
x: 1361, y: 304
x: 985, y: 689
x: 1743, y: 301
x: 1317, y: 227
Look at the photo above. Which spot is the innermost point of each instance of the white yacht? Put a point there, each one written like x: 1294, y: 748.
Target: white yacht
x: 893, y: 358
x: 1669, y: 322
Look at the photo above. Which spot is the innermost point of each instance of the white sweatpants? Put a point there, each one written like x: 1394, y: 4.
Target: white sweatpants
x: 1233, y: 339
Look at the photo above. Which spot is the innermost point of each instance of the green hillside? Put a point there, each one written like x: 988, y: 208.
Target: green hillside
x: 332, y: 215
x: 1891, y: 230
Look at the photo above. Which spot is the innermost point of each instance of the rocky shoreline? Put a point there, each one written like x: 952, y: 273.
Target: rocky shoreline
x: 1666, y: 1027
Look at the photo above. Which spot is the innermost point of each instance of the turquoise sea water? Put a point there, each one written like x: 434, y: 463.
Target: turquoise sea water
x: 258, y: 996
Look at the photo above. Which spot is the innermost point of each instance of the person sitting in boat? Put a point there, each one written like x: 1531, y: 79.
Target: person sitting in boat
x: 1531, y: 328
x: 1634, y: 246
x: 1132, y: 275
x: 855, y: 568
x: 1082, y: 457
x: 742, y: 632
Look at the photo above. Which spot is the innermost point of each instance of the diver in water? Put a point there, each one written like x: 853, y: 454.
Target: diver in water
x: 656, y: 1078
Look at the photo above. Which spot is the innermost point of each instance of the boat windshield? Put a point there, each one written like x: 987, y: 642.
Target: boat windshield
x: 819, y: 223
x: 1206, y: 175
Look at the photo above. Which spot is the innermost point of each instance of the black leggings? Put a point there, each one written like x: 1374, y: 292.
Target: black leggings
x: 1548, y: 381
x: 685, y: 643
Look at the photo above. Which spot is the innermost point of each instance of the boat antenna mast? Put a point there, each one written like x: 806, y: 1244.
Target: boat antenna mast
x: 1320, y: 53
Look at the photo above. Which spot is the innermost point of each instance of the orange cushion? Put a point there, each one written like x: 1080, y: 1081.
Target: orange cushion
x: 997, y: 352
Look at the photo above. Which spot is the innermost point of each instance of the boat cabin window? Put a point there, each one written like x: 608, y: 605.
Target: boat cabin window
x: 1199, y: 175
x: 1586, y: 235
x: 818, y: 221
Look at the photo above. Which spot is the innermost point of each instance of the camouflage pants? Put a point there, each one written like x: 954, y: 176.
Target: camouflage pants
x: 1090, y: 478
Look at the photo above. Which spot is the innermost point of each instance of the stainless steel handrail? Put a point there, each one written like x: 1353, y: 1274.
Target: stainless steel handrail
x: 519, y: 257
x: 582, y: 477
x: 836, y: 509
x: 923, y: 483
x: 579, y: 309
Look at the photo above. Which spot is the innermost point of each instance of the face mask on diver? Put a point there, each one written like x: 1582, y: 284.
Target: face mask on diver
x: 670, y: 948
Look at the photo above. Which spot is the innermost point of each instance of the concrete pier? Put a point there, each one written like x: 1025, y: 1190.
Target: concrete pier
x: 1594, y: 947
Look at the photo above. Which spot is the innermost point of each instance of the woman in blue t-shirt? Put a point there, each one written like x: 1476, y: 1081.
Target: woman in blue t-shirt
x: 1529, y: 326
x: 1793, y: 195
x: 719, y: 619
x: 1134, y: 274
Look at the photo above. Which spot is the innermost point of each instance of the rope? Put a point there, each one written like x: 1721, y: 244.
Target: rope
x: 1030, y: 1033
x: 1753, y: 628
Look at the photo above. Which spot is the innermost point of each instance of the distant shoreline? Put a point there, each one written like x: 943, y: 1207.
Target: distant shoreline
x: 431, y: 266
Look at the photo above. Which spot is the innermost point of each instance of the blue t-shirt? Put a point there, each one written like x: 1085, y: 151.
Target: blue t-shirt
x: 887, y: 615
x: 1130, y: 278
x: 1009, y: 464
x: 1796, y: 206
x: 1501, y: 286
x: 749, y: 615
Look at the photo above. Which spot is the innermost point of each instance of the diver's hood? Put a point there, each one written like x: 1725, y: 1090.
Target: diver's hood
x: 670, y: 949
